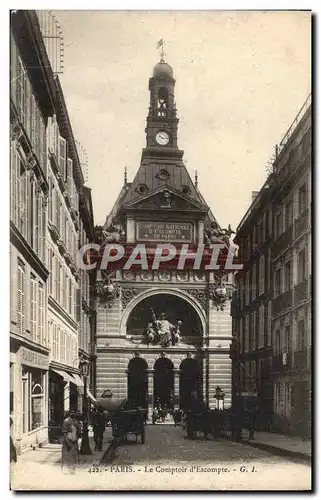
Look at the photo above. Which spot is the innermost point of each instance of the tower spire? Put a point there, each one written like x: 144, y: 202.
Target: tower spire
x: 125, y: 175
x: 196, y: 178
x: 160, y: 45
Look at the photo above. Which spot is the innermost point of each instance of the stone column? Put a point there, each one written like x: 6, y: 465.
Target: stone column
x: 176, y: 388
x: 150, y: 393
x: 130, y: 230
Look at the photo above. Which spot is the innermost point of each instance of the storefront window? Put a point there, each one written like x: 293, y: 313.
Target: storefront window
x: 33, y: 399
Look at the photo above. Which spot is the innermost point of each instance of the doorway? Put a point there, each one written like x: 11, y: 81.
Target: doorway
x: 164, y: 383
x: 137, y: 382
x: 190, y: 382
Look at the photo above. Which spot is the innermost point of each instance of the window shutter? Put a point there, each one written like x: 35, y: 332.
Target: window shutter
x: 69, y: 177
x: 21, y: 300
x: 62, y: 157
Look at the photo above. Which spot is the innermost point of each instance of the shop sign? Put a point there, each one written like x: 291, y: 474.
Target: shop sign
x: 35, y: 359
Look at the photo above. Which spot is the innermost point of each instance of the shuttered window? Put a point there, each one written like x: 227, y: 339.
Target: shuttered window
x: 269, y: 324
x: 69, y: 177
x: 21, y: 299
x: 261, y: 327
x: 62, y: 157
x: 33, y: 308
x: 262, y: 274
x: 41, y: 313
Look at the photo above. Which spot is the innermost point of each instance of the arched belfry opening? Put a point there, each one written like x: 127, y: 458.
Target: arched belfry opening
x: 190, y: 382
x: 164, y: 383
x: 137, y: 382
x: 162, y: 102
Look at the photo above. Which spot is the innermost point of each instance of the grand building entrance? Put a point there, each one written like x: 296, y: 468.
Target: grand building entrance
x: 137, y: 383
x: 190, y: 382
x: 164, y: 383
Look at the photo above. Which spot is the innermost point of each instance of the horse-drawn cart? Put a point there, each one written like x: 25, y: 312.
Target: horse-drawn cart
x: 125, y: 419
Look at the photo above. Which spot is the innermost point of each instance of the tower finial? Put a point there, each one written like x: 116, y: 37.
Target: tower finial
x: 160, y: 44
x: 125, y: 175
x: 196, y: 178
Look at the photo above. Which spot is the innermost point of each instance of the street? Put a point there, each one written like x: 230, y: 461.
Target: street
x: 166, y: 461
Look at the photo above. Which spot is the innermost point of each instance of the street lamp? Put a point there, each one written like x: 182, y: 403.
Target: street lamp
x: 85, y: 447
x: 219, y: 396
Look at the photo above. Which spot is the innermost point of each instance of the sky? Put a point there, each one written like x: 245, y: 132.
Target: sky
x: 241, y: 78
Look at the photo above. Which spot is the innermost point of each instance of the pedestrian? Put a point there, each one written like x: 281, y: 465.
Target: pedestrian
x: 154, y: 415
x: 13, y: 452
x: 99, y: 424
x: 71, y: 434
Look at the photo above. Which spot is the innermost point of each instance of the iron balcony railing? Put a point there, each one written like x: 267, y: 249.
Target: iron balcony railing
x: 301, y: 292
x: 283, y: 242
x: 282, y: 302
x: 302, y: 223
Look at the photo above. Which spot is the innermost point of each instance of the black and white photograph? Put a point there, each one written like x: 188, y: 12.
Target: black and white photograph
x: 160, y: 250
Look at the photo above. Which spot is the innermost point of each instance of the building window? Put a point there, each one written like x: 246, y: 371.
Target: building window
x: 33, y: 400
x: 287, y: 276
x: 41, y: 314
x: 246, y: 334
x: 261, y: 274
x: 21, y: 299
x: 301, y: 340
x: 287, y: 338
x: 261, y: 327
x: 277, y: 341
x: 278, y: 283
x: 62, y: 157
x: 301, y: 266
x: 278, y: 224
x: 33, y: 308
x: 288, y: 214
x: 254, y: 282
x: 269, y: 324
x: 247, y: 288
x: 302, y: 198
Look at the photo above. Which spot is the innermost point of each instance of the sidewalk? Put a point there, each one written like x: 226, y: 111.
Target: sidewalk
x: 50, y: 453
x: 278, y: 443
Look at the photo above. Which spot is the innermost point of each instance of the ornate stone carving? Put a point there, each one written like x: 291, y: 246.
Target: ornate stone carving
x: 199, y: 295
x: 163, y: 175
x: 164, y: 275
x: 182, y: 276
x: 199, y: 276
x: 127, y: 294
x: 167, y: 201
x: 146, y: 275
x: 129, y: 275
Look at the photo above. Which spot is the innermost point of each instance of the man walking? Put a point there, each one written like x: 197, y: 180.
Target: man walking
x: 99, y: 424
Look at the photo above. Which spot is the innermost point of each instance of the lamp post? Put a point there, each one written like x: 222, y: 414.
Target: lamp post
x: 85, y: 447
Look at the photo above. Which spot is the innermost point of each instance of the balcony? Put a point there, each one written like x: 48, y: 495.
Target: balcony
x: 68, y: 258
x: 301, y: 292
x: 53, y: 231
x: 282, y: 302
x: 67, y: 199
x: 302, y: 223
x: 62, y: 247
x: 302, y: 359
x: 282, y: 363
x: 283, y: 242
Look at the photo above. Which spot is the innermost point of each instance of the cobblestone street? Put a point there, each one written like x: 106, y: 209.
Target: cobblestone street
x: 168, y: 460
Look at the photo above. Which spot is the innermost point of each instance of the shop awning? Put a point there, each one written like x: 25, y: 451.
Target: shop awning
x: 91, y: 397
x: 66, y: 376
x: 77, y: 380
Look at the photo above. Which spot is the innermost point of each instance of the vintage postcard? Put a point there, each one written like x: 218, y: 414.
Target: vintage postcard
x: 160, y: 250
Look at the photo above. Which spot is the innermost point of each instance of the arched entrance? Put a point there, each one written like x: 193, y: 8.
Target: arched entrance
x: 175, y: 308
x: 164, y: 383
x: 190, y: 382
x: 137, y: 382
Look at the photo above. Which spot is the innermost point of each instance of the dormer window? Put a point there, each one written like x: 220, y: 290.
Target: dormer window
x: 141, y: 189
x: 186, y: 190
x: 163, y: 175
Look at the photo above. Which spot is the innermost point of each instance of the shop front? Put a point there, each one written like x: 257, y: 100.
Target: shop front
x: 28, y: 398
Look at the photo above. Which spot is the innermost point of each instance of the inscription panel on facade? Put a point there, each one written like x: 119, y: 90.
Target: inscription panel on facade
x: 34, y: 359
x: 164, y: 231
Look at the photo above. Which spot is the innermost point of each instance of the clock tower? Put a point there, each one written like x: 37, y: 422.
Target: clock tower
x: 162, y: 122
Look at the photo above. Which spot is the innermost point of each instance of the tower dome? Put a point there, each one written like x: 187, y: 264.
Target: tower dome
x: 163, y: 69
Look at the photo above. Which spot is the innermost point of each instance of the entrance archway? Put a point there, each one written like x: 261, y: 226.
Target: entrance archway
x: 164, y: 383
x: 137, y: 382
x: 190, y: 382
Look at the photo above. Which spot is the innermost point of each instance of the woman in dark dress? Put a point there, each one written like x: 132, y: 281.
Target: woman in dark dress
x: 71, y: 434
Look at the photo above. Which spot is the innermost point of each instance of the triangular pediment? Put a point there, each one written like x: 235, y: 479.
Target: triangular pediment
x: 165, y: 198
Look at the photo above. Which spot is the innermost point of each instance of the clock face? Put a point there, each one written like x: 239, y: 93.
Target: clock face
x: 162, y: 138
